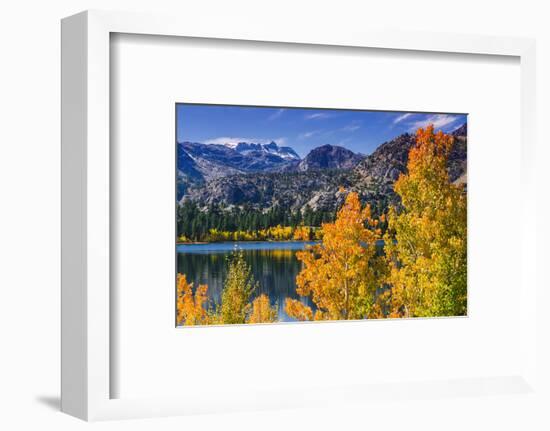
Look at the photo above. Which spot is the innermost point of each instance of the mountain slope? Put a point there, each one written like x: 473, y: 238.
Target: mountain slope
x: 315, y: 186
x: 199, y: 163
x: 292, y: 190
x: 457, y: 159
x: 378, y: 171
x: 212, y: 159
x: 329, y: 157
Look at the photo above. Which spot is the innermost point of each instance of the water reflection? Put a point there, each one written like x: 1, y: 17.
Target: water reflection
x: 274, y: 265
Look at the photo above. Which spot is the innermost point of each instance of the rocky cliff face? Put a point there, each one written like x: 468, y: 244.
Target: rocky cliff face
x: 188, y: 173
x: 457, y: 159
x: 377, y: 172
x: 292, y: 190
x: 329, y: 157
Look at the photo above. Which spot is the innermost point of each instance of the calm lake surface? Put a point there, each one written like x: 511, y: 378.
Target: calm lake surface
x: 274, y: 265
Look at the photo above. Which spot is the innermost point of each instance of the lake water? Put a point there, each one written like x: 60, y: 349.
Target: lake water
x: 274, y: 265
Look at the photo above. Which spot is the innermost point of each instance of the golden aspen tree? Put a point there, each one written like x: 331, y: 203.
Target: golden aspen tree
x: 298, y: 310
x: 262, y: 311
x: 190, y: 307
x: 238, y: 288
x: 302, y: 233
x: 342, y: 273
x: 425, y: 243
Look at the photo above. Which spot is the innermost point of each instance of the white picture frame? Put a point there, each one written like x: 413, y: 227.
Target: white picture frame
x: 86, y: 169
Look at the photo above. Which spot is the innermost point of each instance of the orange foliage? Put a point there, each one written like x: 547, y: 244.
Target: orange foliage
x: 190, y: 308
x: 342, y: 273
x: 302, y: 233
x: 297, y: 310
x: 262, y: 312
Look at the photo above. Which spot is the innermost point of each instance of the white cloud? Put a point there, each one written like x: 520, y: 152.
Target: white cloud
x: 318, y: 116
x: 352, y: 127
x: 309, y: 134
x: 438, y: 121
x: 276, y: 114
x: 401, y: 118
x: 227, y: 140
x: 343, y: 142
x: 279, y: 141
x: 224, y: 140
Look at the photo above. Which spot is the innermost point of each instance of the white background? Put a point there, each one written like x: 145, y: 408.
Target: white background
x: 157, y: 360
x: 29, y: 372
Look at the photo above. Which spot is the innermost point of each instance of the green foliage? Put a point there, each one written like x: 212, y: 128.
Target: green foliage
x: 237, y: 292
x: 199, y: 224
x: 426, y: 241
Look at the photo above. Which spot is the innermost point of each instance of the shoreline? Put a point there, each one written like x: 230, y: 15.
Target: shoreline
x: 232, y: 242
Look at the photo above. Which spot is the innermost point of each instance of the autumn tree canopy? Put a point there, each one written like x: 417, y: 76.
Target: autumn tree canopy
x: 340, y: 274
x: 190, y: 306
x: 425, y: 243
x: 262, y: 311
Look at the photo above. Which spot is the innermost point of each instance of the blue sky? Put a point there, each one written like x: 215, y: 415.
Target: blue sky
x: 302, y: 129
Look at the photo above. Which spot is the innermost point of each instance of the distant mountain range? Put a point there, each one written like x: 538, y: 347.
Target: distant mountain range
x: 255, y: 150
x: 200, y: 163
x: 266, y: 175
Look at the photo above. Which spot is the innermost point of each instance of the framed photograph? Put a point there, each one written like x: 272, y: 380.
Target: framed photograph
x: 307, y: 227
x: 263, y: 218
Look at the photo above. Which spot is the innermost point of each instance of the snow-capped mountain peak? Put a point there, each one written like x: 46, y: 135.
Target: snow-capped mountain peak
x: 286, y: 153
